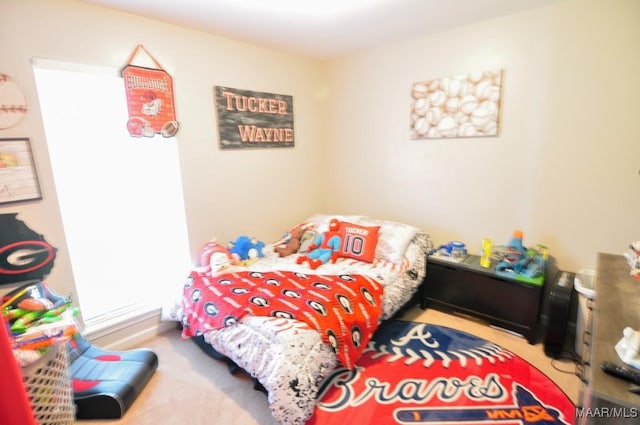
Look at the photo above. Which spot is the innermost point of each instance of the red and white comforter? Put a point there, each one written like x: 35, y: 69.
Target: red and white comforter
x: 291, y: 357
x: 345, y: 309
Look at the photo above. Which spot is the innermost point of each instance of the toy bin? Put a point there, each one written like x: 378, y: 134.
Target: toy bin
x: 584, y: 283
x: 48, y: 385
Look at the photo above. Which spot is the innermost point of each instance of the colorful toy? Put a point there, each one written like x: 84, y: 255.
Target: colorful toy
x: 37, y: 318
x: 324, y: 248
x: 455, y: 250
x: 221, y: 261
x: 291, y: 241
x: 246, y: 250
x: 520, y: 260
x: 205, y: 252
x: 485, y: 257
x: 214, y: 259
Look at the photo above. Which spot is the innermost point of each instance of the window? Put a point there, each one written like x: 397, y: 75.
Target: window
x: 120, y: 197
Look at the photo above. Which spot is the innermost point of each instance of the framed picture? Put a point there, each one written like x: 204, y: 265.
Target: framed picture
x: 18, y: 178
x: 459, y: 106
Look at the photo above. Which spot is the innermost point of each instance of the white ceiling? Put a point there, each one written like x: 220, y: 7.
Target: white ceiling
x: 322, y: 28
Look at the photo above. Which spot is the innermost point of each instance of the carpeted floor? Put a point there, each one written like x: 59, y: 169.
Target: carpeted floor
x: 190, y: 388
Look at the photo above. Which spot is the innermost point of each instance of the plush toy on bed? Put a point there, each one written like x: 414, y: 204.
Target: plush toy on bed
x: 290, y: 243
x: 215, y: 259
x: 246, y: 250
x: 324, y: 248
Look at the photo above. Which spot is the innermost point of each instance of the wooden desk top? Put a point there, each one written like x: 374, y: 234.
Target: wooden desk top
x: 617, y: 305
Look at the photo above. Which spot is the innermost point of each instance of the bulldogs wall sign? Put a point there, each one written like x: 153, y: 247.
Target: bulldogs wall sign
x: 149, y: 99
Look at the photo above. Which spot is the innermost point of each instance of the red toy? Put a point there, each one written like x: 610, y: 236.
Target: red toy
x: 325, y: 247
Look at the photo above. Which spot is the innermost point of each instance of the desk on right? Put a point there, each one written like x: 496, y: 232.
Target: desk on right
x: 606, y: 399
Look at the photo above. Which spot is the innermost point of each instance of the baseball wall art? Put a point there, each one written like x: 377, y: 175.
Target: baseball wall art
x: 461, y: 106
x: 13, y: 104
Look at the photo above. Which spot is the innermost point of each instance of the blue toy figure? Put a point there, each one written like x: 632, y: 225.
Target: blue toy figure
x: 324, y: 247
x: 246, y: 250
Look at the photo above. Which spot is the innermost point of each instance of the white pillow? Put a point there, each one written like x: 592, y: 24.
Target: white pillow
x: 393, y: 239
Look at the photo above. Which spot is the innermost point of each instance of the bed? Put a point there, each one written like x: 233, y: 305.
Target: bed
x: 289, y: 321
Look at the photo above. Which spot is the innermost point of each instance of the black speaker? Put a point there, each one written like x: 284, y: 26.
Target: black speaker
x: 561, y: 302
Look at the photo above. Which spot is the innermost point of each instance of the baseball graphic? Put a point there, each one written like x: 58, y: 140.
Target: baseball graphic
x: 460, y: 106
x: 418, y: 373
x: 13, y: 104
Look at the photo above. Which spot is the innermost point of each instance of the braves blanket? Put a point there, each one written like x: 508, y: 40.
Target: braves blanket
x: 345, y: 309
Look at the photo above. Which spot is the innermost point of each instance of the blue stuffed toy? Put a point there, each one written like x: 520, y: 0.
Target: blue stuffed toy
x: 246, y: 250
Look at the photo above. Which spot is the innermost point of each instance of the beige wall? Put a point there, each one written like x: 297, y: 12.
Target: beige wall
x: 226, y: 193
x: 564, y: 167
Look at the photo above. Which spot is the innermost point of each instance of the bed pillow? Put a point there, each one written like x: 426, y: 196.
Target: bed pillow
x: 322, y: 220
x: 318, y: 223
x: 358, y: 242
x: 393, y: 239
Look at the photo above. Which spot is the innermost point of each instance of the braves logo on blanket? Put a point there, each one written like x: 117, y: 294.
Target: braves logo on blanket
x: 416, y: 373
x: 345, y: 309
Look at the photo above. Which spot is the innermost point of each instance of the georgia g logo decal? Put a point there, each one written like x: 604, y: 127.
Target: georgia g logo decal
x: 23, y: 257
x: 24, y: 254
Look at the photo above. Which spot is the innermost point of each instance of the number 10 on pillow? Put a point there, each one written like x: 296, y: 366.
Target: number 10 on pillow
x: 358, y: 241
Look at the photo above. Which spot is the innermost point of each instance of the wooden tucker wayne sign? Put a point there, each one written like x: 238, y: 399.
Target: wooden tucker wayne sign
x: 250, y: 119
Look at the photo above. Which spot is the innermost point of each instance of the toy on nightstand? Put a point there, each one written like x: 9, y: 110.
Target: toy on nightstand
x: 485, y: 254
x: 514, y: 257
x: 454, y: 250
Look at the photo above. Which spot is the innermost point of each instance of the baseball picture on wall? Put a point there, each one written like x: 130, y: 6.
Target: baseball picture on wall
x: 18, y: 177
x: 13, y: 104
x: 251, y: 119
x: 460, y: 106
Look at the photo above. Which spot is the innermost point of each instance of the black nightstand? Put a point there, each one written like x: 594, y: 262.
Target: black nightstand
x: 505, y: 300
